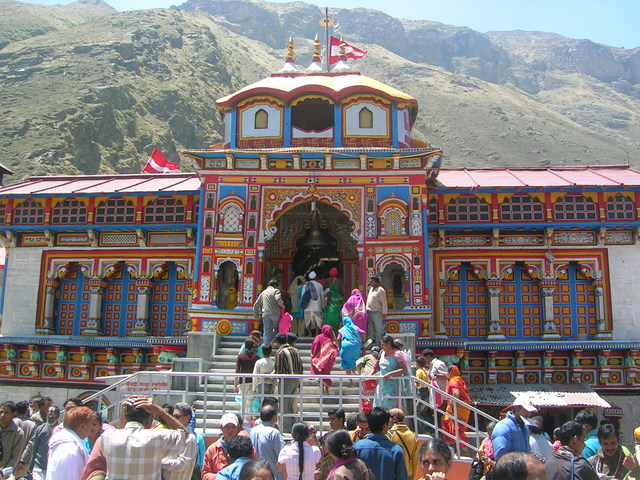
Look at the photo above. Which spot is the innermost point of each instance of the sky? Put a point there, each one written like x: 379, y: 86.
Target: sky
x: 612, y: 22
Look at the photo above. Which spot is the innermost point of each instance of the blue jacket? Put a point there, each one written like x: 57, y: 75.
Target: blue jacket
x: 591, y: 444
x: 510, y: 436
x: 383, y: 457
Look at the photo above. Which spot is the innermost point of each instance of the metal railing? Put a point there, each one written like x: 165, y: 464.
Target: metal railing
x: 214, y: 396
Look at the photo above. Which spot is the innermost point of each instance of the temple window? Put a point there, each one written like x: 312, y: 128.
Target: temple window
x: 3, y: 213
x: 365, y: 118
x: 620, y: 207
x: 521, y: 305
x: 28, y: 212
x: 210, y: 200
x: 521, y: 208
x: 207, y: 240
x: 574, y: 304
x: 262, y: 119
x: 574, y: 206
x: 69, y: 211
x: 468, y: 209
x: 251, y: 242
x: 312, y: 114
x: 466, y: 306
x: 116, y: 210
x: 231, y: 218
x: 208, y: 221
x: 433, y: 210
x: 165, y: 210
x: 393, y: 220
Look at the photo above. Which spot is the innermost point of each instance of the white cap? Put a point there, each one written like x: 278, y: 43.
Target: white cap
x: 229, y: 419
x: 524, y: 404
x: 312, y: 275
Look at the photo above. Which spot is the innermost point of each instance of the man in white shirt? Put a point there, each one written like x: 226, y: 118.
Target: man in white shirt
x: 313, y: 310
x: 376, y: 310
x: 262, y: 385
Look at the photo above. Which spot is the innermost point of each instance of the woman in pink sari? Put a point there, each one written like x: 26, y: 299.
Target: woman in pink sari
x: 354, y: 308
x: 324, y: 351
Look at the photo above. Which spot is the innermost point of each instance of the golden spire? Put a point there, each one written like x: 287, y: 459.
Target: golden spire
x: 316, y: 61
x: 289, y: 66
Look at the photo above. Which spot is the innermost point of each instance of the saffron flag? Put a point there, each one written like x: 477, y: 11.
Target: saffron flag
x: 349, y: 51
x: 157, y: 163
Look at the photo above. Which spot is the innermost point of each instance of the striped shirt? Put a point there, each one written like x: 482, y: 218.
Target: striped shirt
x: 288, y: 361
x: 136, y: 453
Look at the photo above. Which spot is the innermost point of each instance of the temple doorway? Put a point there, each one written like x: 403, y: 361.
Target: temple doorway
x: 312, y: 236
x: 394, y: 281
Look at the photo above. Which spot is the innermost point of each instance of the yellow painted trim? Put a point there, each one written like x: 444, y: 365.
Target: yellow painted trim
x: 260, y: 100
x: 233, y: 179
x: 364, y: 98
x: 311, y: 96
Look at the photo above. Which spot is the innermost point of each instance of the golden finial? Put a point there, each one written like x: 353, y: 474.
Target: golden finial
x: 290, y: 48
x: 317, y: 48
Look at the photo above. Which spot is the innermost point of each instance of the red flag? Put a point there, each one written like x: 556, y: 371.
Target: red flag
x: 157, y: 163
x: 349, y: 51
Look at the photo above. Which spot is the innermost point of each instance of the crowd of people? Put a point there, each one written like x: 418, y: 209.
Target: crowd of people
x: 517, y: 448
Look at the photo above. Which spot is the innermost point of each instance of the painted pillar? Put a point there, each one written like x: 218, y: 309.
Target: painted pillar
x: 495, y: 329
x: 96, y: 287
x: 603, y: 332
x: 438, y: 329
x: 143, y: 288
x: 548, y: 288
x: 48, y: 319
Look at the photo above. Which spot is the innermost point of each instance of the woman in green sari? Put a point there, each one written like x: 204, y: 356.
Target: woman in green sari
x: 335, y: 300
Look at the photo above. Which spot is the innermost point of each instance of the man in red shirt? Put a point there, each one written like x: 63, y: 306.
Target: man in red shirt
x: 216, y: 457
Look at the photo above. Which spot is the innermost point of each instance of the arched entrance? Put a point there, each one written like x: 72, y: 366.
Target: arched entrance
x: 394, y: 280
x: 312, y: 236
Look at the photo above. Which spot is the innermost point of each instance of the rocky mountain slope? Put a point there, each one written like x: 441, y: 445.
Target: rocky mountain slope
x: 86, y: 89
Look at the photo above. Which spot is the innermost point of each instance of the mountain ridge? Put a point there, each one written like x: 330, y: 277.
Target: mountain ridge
x: 96, y: 92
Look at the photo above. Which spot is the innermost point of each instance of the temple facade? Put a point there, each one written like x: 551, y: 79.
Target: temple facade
x: 524, y: 276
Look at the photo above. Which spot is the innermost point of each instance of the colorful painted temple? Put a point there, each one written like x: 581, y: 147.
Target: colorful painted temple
x: 527, y: 275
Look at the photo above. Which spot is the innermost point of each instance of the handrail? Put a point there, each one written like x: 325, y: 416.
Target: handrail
x: 161, y: 383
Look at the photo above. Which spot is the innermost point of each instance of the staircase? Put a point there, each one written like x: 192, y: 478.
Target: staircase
x: 312, y: 402
x: 212, y: 394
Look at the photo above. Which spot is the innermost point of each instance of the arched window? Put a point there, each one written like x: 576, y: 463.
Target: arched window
x: 365, y: 118
x: 231, y: 218
x: 261, y: 119
x: 251, y: 241
x: 28, y: 212
x: 248, y: 268
x: 393, y: 220
x: 208, y: 221
x: 69, y: 211
x: 207, y: 240
x: 119, y: 304
x: 574, y: 206
x: 521, y: 208
x: 165, y: 210
x: 116, y: 210
x: 168, y: 306
x: 467, y: 209
x: 209, y: 201
x: 620, y: 207
x: 206, y: 266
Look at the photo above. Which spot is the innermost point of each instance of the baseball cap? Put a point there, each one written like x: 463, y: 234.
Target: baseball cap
x: 524, y: 404
x: 312, y: 275
x: 229, y: 418
x: 292, y: 337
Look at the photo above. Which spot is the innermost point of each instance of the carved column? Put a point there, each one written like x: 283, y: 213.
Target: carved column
x: 603, y: 366
x: 492, y: 371
x: 631, y: 367
x: 576, y: 367
x: 520, y: 367
x: 143, y: 287
x: 548, y: 288
x: 96, y: 289
x: 548, y: 366
x: 48, y: 319
x: 494, y: 287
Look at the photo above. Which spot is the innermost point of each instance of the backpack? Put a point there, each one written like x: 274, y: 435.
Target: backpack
x: 306, y: 296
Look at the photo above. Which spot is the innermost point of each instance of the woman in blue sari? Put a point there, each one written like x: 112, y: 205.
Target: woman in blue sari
x: 352, y: 338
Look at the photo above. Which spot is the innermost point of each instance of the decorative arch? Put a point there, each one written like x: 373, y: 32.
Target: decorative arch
x: 108, y: 270
x: 402, y: 260
x: 231, y: 215
x: 270, y: 218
